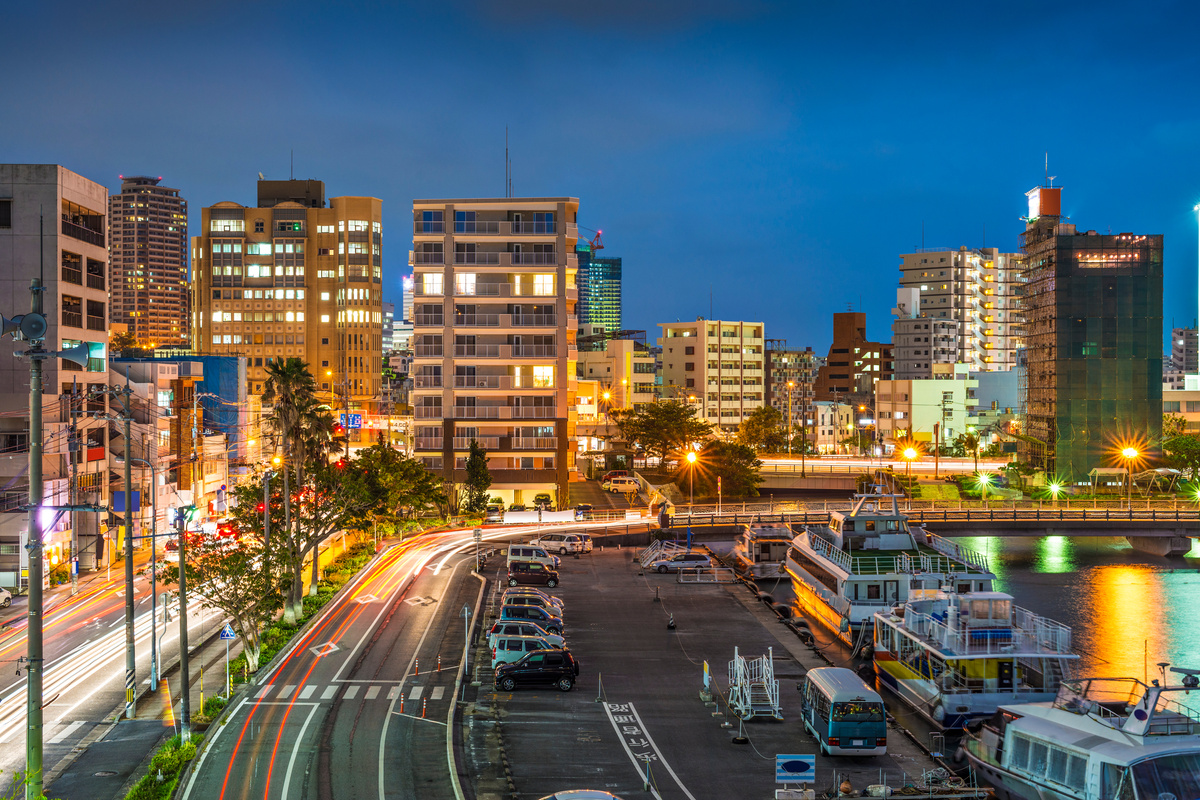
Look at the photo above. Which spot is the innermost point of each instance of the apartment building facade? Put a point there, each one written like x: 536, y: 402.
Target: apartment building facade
x: 925, y: 410
x: 716, y: 364
x: 924, y: 347
x: 979, y: 291
x: 790, y: 372
x: 854, y: 363
x: 148, y: 251
x: 53, y: 225
x: 625, y: 372
x: 494, y: 354
x: 293, y: 278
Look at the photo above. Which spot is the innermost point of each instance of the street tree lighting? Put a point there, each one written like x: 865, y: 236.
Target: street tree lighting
x: 1129, y: 454
x: 1055, y: 489
x: 984, y: 480
x: 909, y: 454
x: 790, y: 385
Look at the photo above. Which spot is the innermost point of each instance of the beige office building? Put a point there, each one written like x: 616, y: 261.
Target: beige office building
x: 716, y: 364
x: 494, y: 355
x: 625, y: 371
x: 290, y: 277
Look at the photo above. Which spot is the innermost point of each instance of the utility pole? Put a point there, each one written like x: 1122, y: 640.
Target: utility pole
x: 33, y: 733
x: 185, y: 689
x: 130, y: 660
x: 73, y: 482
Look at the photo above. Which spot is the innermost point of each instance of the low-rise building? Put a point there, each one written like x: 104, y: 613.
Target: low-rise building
x: 832, y: 424
x: 625, y: 371
x: 910, y: 409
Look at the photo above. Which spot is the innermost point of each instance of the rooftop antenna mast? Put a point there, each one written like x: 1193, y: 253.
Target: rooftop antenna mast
x: 507, y: 167
x: 292, y: 169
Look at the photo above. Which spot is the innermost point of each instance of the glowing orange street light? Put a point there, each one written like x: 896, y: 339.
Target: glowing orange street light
x: 1129, y: 454
x: 691, y: 459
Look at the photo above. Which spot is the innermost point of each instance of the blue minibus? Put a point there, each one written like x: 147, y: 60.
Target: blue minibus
x: 844, y: 714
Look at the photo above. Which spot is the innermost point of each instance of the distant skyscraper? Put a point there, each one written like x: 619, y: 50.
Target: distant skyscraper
x: 599, y: 289
x: 1093, y: 311
x: 389, y: 318
x: 148, y: 253
x: 406, y: 314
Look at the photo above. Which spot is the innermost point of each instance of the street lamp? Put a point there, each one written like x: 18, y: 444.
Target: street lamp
x: 1129, y: 454
x: 691, y: 459
x: 1054, y: 490
x: 607, y: 396
x: 909, y: 454
x: 985, y: 480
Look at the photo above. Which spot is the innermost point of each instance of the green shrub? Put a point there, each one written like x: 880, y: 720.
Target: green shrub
x: 169, y: 760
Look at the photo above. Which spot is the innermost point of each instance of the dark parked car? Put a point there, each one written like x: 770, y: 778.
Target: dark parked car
x: 544, y: 667
x: 531, y: 573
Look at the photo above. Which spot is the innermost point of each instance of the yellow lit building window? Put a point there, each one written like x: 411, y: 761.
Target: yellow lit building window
x: 431, y: 283
x: 543, y: 284
x: 543, y: 377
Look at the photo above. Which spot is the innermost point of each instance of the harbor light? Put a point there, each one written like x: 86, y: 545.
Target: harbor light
x: 1130, y: 452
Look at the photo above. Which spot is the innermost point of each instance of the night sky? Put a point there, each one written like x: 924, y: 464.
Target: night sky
x: 778, y: 156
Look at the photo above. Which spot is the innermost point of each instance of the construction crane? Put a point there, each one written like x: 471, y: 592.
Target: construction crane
x: 595, y: 243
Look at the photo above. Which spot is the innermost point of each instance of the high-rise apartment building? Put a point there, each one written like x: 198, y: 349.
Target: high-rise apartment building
x: 389, y: 326
x: 979, y: 291
x: 789, y: 380
x: 148, y: 251
x: 716, y: 364
x: 1093, y: 309
x: 854, y: 364
x: 494, y: 339
x: 290, y: 277
x: 599, y: 289
x: 1183, y: 351
x: 924, y: 347
x: 52, y: 224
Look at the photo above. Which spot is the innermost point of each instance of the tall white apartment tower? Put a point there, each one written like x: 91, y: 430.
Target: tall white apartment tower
x: 977, y: 290
x: 494, y: 353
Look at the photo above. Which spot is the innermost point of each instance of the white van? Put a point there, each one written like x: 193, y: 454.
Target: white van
x: 561, y: 543
x: 624, y: 485
x: 527, y: 552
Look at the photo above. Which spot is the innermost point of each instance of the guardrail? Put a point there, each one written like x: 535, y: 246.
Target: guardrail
x: 813, y: 517
x: 706, y: 575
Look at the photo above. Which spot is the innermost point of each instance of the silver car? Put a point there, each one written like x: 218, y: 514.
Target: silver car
x: 682, y: 561
x: 504, y: 629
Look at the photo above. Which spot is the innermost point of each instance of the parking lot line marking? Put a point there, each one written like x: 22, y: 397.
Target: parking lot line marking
x: 351, y: 691
x: 329, y: 692
x: 306, y: 692
x: 287, y: 692
x: 415, y: 694
x: 437, y: 693
x: 372, y: 693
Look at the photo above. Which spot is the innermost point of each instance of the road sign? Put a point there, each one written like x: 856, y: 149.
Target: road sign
x: 795, y: 769
x: 351, y: 420
x: 227, y: 634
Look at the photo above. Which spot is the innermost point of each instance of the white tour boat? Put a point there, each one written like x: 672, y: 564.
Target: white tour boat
x: 1100, y: 739
x: 958, y: 657
x: 869, y: 559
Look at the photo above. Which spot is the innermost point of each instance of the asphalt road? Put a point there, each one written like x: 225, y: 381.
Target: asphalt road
x: 358, y: 707
x: 84, y: 680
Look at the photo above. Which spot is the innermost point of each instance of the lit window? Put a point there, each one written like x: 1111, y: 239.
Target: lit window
x: 299, y: 316
x: 289, y: 317
x: 290, y: 294
x: 543, y: 284
x: 464, y: 283
x: 543, y: 377
x: 357, y: 225
x: 324, y: 295
x: 431, y: 283
x: 299, y: 294
x: 324, y: 318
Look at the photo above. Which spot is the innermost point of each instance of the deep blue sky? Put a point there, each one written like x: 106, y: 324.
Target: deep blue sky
x: 782, y: 154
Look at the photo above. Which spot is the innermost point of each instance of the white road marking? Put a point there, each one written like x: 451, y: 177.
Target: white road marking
x: 287, y: 777
x: 372, y: 693
x: 415, y: 694
x: 351, y: 691
x: 329, y: 692
x: 306, y: 692
x: 263, y: 692
x: 65, y: 732
x: 392, y: 692
x: 437, y: 693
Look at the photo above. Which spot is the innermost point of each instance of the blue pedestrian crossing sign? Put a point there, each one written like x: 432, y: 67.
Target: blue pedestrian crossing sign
x: 227, y: 634
x: 795, y: 769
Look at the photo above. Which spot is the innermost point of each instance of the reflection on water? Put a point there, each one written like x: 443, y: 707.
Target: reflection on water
x: 1127, y: 610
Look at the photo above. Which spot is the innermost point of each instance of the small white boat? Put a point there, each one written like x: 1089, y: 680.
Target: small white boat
x: 958, y: 657
x: 761, y: 550
x: 1100, y: 739
x: 869, y: 559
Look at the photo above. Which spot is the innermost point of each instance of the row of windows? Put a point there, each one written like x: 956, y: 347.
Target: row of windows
x: 259, y: 294
x: 258, y: 316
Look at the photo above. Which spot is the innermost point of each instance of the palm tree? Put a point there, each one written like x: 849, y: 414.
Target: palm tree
x: 970, y: 441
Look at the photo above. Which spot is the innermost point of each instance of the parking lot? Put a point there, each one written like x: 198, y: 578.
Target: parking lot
x: 638, y: 701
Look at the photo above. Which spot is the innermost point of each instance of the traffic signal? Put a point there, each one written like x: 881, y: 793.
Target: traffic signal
x: 260, y: 508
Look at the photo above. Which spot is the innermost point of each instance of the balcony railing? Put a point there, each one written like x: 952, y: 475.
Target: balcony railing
x: 483, y: 381
x: 96, y: 323
x: 486, y: 442
x: 95, y: 281
x: 478, y: 320
x: 535, y: 320
x: 83, y: 234
x: 427, y: 381
x: 427, y: 257
x: 534, y: 412
x: 532, y: 443
x: 428, y: 412
x: 73, y: 275
x: 429, y: 320
x: 494, y: 227
x: 535, y: 258
x: 480, y: 412
x: 429, y: 351
x: 72, y: 319
x: 534, y: 350
x: 477, y: 258
x: 477, y: 350
x: 429, y: 442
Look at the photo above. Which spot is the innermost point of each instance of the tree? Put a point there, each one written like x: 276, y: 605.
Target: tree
x: 479, y: 479
x: 969, y: 442
x: 1183, y: 453
x: 1173, y: 425
x: 663, y: 428
x: 398, y: 487
x: 858, y: 441
x: 736, y: 464
x: 763, y: 430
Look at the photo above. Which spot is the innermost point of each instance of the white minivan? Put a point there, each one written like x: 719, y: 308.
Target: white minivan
x: 624, y: 485
x: 526, y: 552
x: 561, y: 543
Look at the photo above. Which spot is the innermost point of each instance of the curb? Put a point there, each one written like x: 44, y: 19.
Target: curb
x: 451, y: 752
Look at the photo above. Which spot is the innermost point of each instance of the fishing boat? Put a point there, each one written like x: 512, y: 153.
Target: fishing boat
x: 761, y: 549
x: 869, y: 559
x: 958, y: 657
x: 1099, y: 739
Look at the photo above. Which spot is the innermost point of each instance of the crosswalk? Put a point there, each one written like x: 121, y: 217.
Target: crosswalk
x: 283, y: 692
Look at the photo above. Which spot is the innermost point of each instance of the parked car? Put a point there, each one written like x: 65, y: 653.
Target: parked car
x: 561, y: 543
x: 551, y: 623
x: 624, y: 485
x: 547, y: 667
x: 5, y: 598
x: 514, y: 591
x: 508, y: 649
x: 531, y: 600
x: 531, y: 553
x: 582, y: 510
x: 522, y: 629
x: 682, y: 561
x: 517, y: 507
x: 494, y: 513
x: 586, y: 538
x: 532, y: 573
x: 543, y: 501
x: 615, y: 473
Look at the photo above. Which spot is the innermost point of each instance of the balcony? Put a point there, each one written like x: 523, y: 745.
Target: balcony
x: 429, y: 443
x: 505, y: 351
x: 534, y: 412
x: 547, y: 259
x: 535, y: 320
x: 483, y: 382
x: 428, y: 412
x: 429, y: 351
x: 486, y: 442
x: 480, y: 412
x: 428, y: 257
x: 427, y: 382
x: 478, y: 320
x: 429, y: 321
x: 72, y: 319
x: 96, y: 323
x: 535, y: 443
x: 495, y: 227
x: 83, y: 233
x: 534, y: 350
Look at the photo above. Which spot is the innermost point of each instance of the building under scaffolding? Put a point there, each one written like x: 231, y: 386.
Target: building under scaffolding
x: 1093, y: 330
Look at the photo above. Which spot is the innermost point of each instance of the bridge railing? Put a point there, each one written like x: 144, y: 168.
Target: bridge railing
x: 756, y: 515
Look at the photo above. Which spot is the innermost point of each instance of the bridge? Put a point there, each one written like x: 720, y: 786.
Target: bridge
x: 840, y: 473
x: 1163, y: 530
